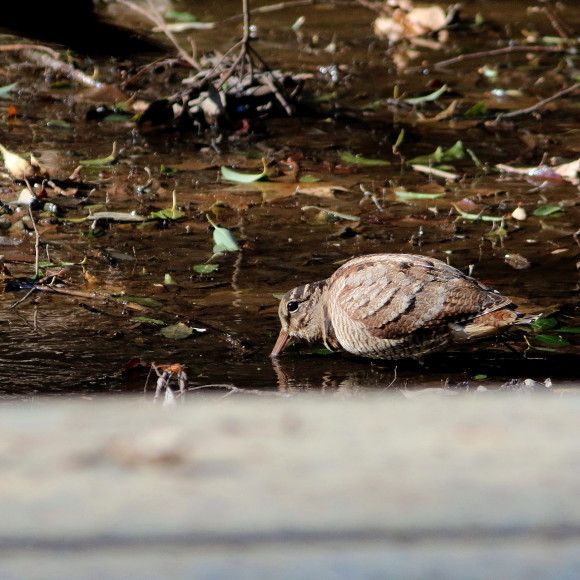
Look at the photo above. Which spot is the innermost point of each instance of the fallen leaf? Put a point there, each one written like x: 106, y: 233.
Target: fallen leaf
x: 177, y: 331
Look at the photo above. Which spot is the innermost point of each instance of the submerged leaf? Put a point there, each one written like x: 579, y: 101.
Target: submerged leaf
x: 147, y: 320
x: 115, y: 216
x: 544, y: 323
x: 440, y: 155
x: 477, y: 216
x: 545, y: 210
x: 334, y: 214
x: 177, y: 331
x: 109, y: 160
x: 231, y: 175
x: 6, y: 90
x: 358, y: 160
x: 205, y: 268
x: 552, y: 339
x: 169, y: 213
x: 141, y: 300
x: 427, y: 98
x: 417, y: 195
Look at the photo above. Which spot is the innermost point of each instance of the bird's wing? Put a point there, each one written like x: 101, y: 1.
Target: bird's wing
x: 393, y: 298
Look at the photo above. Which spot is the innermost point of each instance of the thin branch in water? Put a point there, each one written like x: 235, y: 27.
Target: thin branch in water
x: 154, y: 16
x: 539, y: 104
x: 26, y: 47
x: 495, y: 52
x: 54, y: 63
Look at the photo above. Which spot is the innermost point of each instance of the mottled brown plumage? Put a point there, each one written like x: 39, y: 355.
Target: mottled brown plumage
x: 392, y: 306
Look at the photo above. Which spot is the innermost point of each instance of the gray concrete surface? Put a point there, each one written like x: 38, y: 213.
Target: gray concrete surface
x: 377, y: 487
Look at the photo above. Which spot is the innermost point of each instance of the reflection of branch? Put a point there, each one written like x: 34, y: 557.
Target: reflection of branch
x: 155, y: 17
x: 505, y: 50
x: 539, y: 104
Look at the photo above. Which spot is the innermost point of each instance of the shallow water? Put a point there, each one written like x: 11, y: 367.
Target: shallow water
x: 71, y: 346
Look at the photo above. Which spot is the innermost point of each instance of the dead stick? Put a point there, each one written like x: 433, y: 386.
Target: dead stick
x: 58, y: 65
x: 496, y: 51
x: 155, y: 17
x: 38, y: 47
x: 539, y: 104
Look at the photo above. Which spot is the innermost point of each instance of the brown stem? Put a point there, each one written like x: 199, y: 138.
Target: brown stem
x: 496, y: 51
x: 539, y: 104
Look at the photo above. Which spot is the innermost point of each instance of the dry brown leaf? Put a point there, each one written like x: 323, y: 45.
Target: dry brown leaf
x: 416, y: 22
x: 570, y: 171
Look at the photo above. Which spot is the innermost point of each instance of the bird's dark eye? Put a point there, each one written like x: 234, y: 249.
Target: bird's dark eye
x: 292, y: 306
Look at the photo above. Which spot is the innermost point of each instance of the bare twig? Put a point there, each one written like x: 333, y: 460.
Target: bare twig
x: 39, y: 47
x: 495, y: 52
x: 54, y: 63
x: 539, y: 104
x: 154, y: 16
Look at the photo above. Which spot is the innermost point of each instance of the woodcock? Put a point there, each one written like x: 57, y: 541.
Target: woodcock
x: 393, y: 306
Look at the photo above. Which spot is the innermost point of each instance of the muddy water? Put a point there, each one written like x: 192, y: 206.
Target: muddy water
x: 75, y: 345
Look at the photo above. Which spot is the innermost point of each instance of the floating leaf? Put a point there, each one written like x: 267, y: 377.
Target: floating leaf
x: 479, y: 377
x: 427, y: 98
x: 205, y: 268
x: 477, y: 216
x: 177, y: 331
x: 58, y: 124
x: 417, y: 195
x: 109, y: 160
x: 545, y: 210
x: 478, y: 111
x: 309, y: 179
x: 231, y: 175
x: 169, y: 213
x: 544, y: 323
x: 358, y: 160
x: 180, y: 16
x: 147, y: 320
x: 334, y: 214
x: 223, y: 239
x: 6, y: 90
x: 113, y: 216
x: 165, y: 170
x: 168, y: 280
x: 552, y: 339
x: 141, y: 300
x: 570, y: 329
x: 440, y: 155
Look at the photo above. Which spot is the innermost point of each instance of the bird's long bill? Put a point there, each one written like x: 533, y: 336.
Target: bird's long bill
x: 283, y: 341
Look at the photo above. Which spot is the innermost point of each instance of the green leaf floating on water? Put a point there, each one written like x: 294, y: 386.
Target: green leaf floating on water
x: 358, y: 160
x: 231, y: 175
x: 141, y: 300
x: 177, y: 331
x: 544, y: 323
x: 427, y: 98
x: 477, y: 216
x: 205, y: 268
x: 109, y: 160
x: 147, y: 320
x: 417, y: 195
x: 570, y: 329
x: 223, y: 239
x: 440, y: 155
x: 552, y: 339
x: 6, y: 90
x: 545, y: 210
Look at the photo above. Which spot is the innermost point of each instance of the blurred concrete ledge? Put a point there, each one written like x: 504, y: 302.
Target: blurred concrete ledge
x: 377, y: 487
